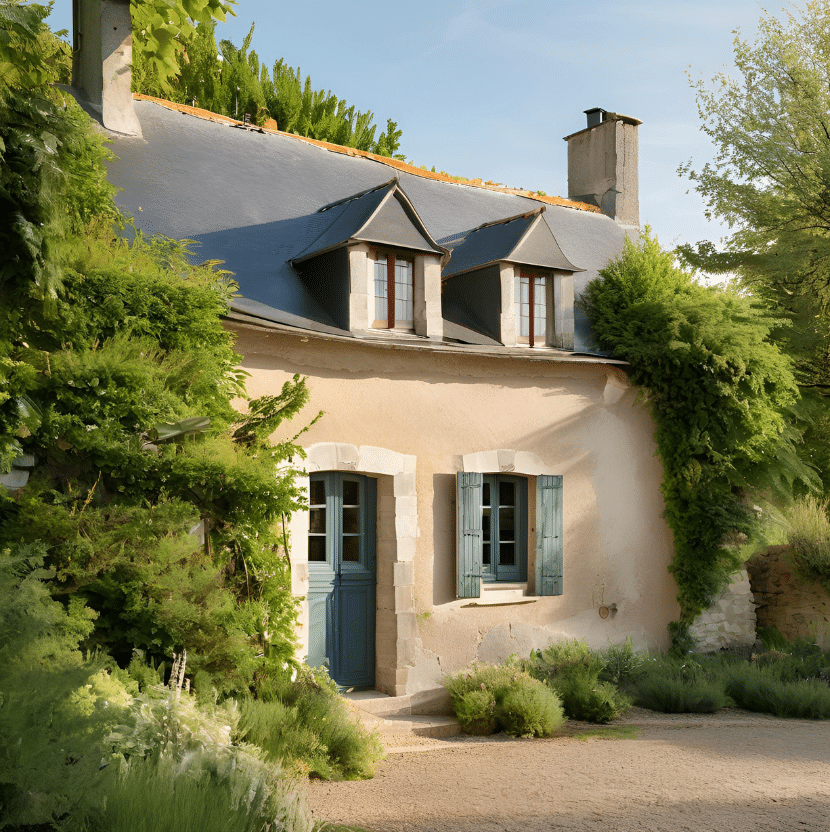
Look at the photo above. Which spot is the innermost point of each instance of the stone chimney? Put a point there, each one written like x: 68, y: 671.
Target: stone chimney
x: 602, y: 166
x: 102, y: 60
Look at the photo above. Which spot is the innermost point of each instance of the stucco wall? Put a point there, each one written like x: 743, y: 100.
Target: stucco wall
x: 579, y: 421
x: 797, y: 608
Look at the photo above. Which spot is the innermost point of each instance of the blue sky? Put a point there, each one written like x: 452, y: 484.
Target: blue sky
x: 488, y: 88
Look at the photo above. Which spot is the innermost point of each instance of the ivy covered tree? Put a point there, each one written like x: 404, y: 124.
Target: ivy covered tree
x: 159, y: 504
x: 721, y: 395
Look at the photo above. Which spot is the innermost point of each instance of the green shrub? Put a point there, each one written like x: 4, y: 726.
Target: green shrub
x: 808, y: 533
x: 204, y: 792
x: 773, y: 640
x: 802, y: 662
x: 476, y: 713
x: 488, y: 697
x: 573, y: 671
x: 622, y: 664
x: 529, y: 708
x: 490, y: 677
x: 305, y: 723
x: 759, y: 689
x: 675, y: 696
x: 586, y: 698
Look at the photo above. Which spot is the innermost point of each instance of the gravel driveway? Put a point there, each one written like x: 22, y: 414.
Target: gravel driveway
x: 733, y: 771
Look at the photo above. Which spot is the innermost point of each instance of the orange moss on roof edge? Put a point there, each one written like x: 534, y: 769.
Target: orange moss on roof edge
x: 207, y: 115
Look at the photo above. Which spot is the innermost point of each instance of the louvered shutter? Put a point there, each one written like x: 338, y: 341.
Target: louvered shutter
x: 548, y: 535
x: 468, y: 502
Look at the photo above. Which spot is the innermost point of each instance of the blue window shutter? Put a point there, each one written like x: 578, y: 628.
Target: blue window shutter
x: 468, y: 501
x: 548, y: 535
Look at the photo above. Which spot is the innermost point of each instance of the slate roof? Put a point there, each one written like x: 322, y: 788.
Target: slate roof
x: 523, y: 239
x: 379, y: 215
x: 253, y: 199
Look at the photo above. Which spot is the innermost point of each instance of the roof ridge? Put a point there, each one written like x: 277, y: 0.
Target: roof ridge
x: 207, y: 115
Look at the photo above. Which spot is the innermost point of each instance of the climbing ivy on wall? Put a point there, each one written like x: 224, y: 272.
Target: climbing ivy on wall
x: 721, y: 395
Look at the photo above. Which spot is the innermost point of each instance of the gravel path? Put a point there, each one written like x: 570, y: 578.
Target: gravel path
x: 730, y: 772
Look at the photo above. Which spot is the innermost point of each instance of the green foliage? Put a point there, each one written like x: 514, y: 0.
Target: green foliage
x: 116, y: 373
x: 808, y: 534
x: 158, y: 26
x: 622, y: 664
x: 614, y: 732
x: 486, y: 698
x: 721, y: 396
x: 573, y: 671
x: 82, y: 748
x: 673, y: 696
x: 773, y: 639
x: 204, y: 793
x: 229, y: 80
x: 768, y: 180
x: 305, y: 725
x: 303, y: 722
x: 688, y: 685
x: 529, y: 708
x: 761, y: 689
x: 476, y: 713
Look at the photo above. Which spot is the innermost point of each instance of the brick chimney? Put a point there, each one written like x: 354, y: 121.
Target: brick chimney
x: 602, y: 166
x: 102, y: 60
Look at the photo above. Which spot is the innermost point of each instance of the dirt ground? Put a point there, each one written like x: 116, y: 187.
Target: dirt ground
x: 729, y: 772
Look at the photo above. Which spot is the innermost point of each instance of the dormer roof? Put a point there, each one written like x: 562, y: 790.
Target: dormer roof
x: 524, y: 239
x: 383, y: 215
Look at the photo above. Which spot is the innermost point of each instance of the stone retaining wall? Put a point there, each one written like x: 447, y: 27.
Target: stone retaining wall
x: 730, y: 621
x: 797, y: 608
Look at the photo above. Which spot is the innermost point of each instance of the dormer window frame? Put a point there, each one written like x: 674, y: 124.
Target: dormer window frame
x: 393, y: 256
x: 534, y: 338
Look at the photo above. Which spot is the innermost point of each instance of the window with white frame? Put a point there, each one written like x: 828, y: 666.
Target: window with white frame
x: 533, y: 297
x: 393, y: 284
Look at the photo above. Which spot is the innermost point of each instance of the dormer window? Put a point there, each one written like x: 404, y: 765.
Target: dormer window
x: 394, y: 291
x: 533, y: 314
x: 510, y: 281
x: 375, y: 266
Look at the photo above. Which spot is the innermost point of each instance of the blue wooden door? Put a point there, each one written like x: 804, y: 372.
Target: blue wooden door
x: 341, y: 577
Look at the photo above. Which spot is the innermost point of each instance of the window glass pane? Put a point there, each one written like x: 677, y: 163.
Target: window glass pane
x: 523, y: 306
x: 507, y: 493
x: 486, y: 494
x: 351, y: 549
x: 351, y: 493
x: 317, y: 549
x: 507, y: 554
x: 350, y: 520
x: 403, y: 290
x: 316, y: 493
x: 540, y: 307
x: 506, y: 523
x: 380, y: 289
x: 317, y: 520
x: 485, y: 554
x: 485, y: 523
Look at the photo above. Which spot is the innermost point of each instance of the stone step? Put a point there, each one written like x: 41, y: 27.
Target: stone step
x: 420, y: 726
x: 423, y: 703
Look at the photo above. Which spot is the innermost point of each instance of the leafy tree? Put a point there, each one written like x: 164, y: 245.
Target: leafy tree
x: 116, y: 373
x: 230, y: 80
x: 769, y: 181
x: 159, y: 24
x: 721, y: 396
